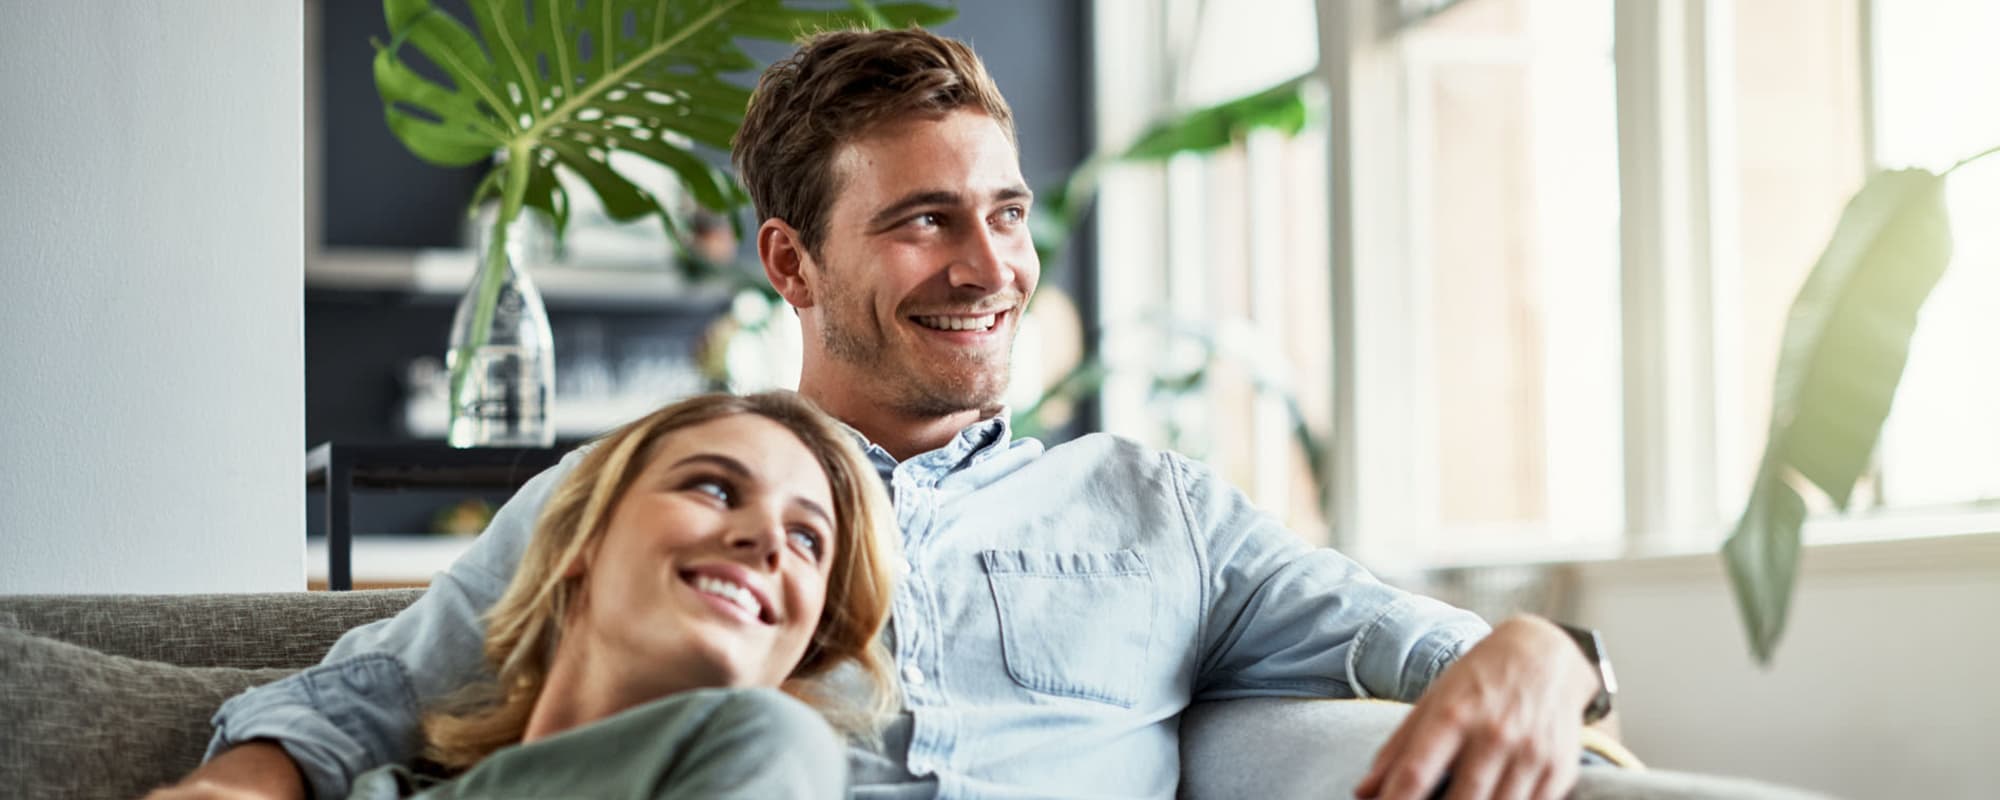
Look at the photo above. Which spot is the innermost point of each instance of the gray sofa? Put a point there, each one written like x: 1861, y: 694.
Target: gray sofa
x: 109, y: 695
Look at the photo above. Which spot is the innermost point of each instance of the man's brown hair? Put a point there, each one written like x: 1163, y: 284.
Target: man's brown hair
x: 837, y: 86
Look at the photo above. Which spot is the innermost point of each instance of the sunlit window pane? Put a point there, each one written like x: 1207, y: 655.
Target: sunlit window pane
x: 1934, y: 67
x: 1795, y: 98
x: 1515, y: 232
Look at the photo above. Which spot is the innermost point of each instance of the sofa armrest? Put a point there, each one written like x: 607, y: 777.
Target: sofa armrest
x: 1299, y: 748
x: 1282, y: 747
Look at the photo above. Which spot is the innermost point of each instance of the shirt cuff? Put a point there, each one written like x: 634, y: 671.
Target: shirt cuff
x: 1407, y: 645
x: 336, y: 720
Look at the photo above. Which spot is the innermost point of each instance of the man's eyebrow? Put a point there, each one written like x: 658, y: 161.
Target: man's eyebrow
x: 937, y: 197
x: 911, y: 202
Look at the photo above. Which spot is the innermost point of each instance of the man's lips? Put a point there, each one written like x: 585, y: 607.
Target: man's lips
x: 963, y: 322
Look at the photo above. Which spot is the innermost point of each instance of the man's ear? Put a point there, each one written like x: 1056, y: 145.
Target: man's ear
x: 786, y: 261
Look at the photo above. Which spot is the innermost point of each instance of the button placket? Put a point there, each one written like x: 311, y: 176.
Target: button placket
x: 915, y: 512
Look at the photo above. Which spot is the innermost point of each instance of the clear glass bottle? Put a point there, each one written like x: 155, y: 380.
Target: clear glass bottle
x: 505, y: 379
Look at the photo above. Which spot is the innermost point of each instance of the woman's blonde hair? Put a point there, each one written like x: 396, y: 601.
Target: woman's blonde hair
x: 523, y: 627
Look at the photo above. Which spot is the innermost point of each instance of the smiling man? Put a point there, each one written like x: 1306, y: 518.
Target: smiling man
x: 1061, y: 606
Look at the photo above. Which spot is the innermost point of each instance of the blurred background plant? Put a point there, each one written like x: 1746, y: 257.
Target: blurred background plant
x: 1845, y: 345
x: 1175, y: 357
x: 554, y: 85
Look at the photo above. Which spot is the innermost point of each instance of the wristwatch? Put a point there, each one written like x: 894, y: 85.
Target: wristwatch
x: 1593, y: 650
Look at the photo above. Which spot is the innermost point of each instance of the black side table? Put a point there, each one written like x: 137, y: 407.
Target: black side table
x: 342, y: 468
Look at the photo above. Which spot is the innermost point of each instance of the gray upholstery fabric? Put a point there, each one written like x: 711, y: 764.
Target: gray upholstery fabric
x: 1281, y: 748
x: 277, y: 629
x: 80, y: 723
x: 84, y: 724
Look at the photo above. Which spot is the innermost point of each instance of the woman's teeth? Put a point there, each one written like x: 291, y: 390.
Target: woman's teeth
x: 958, y: 323
x: 731, y: 592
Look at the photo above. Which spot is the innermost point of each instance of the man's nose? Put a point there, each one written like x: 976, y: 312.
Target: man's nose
x: 981, y: 262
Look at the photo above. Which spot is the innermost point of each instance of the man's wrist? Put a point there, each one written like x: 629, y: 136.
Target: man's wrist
x: 1589, y: 646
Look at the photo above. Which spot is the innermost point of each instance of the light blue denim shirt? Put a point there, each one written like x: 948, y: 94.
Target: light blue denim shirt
x: 1060, y: 608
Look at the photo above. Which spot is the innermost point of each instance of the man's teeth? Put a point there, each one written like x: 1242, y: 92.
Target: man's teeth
x: 731, y: 592
x: 958, y: 323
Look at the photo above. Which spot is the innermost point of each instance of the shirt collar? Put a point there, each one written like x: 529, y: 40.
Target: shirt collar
x: 974, y: 443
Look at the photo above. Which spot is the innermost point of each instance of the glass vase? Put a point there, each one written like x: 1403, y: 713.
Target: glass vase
x: 502, y: 360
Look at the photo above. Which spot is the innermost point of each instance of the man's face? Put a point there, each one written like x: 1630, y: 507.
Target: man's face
x: 926, y: 264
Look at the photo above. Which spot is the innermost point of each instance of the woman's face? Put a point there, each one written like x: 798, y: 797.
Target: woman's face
x: 715, y: 562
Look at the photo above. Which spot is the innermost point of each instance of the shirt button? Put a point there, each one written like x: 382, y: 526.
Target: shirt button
x: 912, y: 675
x: 904, y: 565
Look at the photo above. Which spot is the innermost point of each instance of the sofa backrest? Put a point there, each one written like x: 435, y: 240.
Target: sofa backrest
x: 111, y: 695
x: 288, y: 630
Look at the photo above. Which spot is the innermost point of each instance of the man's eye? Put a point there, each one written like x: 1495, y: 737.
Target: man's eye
x: 808, y: 541
x: 1013, y: 215
x: 927, y: 220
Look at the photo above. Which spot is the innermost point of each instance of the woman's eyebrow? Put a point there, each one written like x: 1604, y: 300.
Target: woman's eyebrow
x: 731, y: 465
x: 813, y: 508
x: 718, y: 460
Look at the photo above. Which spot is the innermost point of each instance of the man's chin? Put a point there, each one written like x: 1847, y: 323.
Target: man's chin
x: 946, y: 397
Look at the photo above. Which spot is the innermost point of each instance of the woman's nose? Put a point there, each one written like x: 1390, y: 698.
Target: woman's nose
x: 756, y: 537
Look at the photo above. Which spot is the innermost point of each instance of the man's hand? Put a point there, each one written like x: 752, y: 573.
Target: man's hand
x: 1505, y: 720
x: 255, y: 770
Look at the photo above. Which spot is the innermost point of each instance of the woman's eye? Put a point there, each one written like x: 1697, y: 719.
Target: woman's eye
x: 808, y: 541
x: 712, y: 488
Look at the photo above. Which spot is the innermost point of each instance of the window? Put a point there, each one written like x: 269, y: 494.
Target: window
x: 1214, y: 266
x: 1559, y: 244
x: 1511, y: 263
x: 1933, y: 63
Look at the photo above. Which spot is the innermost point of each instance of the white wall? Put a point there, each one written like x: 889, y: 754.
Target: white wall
x: 1883, y: 687
x: 151, y: 424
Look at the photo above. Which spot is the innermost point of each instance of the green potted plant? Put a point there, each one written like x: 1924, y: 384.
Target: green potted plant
x: 552, y: 85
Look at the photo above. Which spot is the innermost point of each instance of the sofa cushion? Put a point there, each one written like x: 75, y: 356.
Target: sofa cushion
x: 80, y: 723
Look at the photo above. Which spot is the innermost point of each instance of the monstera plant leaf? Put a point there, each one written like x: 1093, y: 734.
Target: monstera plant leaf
x: 1842, y: 355
x: 567, y: 83
x: 550, y: 84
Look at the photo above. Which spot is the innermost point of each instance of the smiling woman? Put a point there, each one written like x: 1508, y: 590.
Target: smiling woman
x: 696, y: 558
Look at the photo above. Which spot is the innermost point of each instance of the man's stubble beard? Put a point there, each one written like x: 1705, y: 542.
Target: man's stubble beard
x: 852, y: 334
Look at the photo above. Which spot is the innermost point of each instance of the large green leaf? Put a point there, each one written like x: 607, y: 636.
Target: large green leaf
x: 1281, y: 107
x: 567, y: 83
x: 1843, y: 352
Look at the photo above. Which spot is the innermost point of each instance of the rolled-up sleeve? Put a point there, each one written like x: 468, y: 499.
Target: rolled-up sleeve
x: 336, y: 720
x: 1407, y: 645
x: 362, y: 706
x: 1286, y: 619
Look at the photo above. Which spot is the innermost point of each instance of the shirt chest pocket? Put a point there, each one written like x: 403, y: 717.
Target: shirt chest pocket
x: 1073, y: 624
